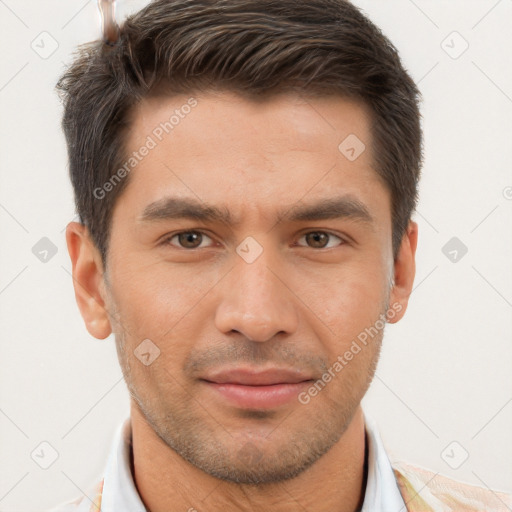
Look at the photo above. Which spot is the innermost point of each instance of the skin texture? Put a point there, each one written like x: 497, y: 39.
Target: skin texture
x: 298, y: 305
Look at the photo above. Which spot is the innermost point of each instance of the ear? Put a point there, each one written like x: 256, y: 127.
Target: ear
x: 88, y: 280
x: 404, y: 272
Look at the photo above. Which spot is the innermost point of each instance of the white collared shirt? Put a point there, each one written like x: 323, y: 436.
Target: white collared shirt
x: 382, y: 492
x: 120, y: 494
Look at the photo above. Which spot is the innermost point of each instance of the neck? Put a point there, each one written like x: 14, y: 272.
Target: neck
x: 337, y: 481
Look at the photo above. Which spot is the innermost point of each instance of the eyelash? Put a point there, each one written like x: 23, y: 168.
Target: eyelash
x: 167, y: 240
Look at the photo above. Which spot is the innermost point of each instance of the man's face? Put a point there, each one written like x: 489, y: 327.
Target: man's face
x: 265, y: 289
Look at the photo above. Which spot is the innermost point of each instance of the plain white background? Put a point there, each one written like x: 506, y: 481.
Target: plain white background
x: 445, y: 370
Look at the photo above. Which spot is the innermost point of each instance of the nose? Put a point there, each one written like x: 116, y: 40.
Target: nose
x: 256, y: 301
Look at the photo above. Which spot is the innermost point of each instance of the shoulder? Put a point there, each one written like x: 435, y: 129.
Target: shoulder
x: 426, y: 491
x: 83, y: 503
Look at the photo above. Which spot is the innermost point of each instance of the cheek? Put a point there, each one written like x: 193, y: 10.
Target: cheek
x: 346, y: 299
x: 156, y: 300
x: 165, y: 304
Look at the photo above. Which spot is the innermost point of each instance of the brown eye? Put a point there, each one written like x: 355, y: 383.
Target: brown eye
x: 319, y: 239
x: 188, y: 239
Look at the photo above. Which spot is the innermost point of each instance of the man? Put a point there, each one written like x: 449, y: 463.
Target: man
x: 245, y: 174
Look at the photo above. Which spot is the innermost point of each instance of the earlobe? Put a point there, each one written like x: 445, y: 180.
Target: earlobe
x: 88, y: 280
x: 404, y: 272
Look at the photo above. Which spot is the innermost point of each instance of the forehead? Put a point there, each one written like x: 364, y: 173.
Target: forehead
x: 254, y: 155
x: 293, y: 118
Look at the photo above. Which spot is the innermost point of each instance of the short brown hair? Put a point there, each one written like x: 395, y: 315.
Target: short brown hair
x: 257, y: 48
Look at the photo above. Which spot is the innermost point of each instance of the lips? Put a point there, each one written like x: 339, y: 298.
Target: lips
x: 253, y: 377
x: 249, y: 388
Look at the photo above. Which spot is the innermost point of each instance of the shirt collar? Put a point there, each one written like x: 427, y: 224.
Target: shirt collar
x: 382, y: 492
x: 119, y: 491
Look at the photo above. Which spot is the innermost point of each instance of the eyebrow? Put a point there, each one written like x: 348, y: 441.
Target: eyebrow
x: 167, y: 208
